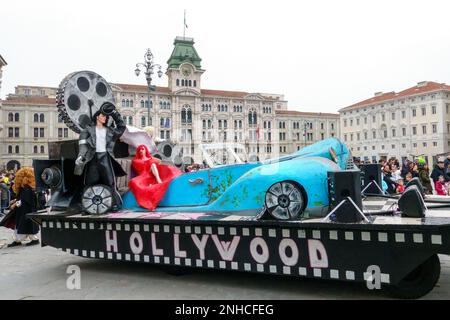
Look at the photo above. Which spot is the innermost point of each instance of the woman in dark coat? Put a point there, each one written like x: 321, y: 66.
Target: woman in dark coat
x: 25, y: 203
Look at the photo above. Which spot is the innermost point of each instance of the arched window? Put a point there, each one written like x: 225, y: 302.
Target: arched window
x: 182, y: 82
x: 225, y: 124
x: 204, y: 123
x: 123, y: 102
x: 36, y: 117
x: 127, y: 103
x: 190, y: 83
x: 226, y: 108
x: 35, y: 149
x: 16, y: 117
x: 10, y: 149
x: 10, y: 117
x: 143, y: 122
x: 142, y: 104
x: 131, y: 103
x: 168, y: 105
x: 183, y: 115
x: 130, y: 120
x: 146, y: 103
x: 42, y: 149
x: 178, y: 82
x: 195, y: 83
x: 17, y: 149
x: 41, y: 118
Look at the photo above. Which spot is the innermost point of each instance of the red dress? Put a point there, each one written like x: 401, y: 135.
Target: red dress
x: 144, y: 187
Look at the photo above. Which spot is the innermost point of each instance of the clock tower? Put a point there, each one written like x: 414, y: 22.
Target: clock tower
x: 183, y: 67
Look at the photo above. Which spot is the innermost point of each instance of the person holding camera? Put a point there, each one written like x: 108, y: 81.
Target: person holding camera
x: 96, y: 156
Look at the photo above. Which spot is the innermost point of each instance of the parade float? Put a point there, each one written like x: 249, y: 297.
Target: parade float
x: 302, y: 215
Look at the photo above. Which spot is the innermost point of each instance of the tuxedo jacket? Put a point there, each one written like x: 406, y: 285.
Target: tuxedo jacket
x: 87, y: 144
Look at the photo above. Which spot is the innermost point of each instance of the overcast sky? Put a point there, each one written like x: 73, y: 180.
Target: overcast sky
x: 322, y: 55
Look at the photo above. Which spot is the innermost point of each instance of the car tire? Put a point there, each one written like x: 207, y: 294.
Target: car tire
x: 418, y: 282
x: 96, y: 199
x: 284, y: 200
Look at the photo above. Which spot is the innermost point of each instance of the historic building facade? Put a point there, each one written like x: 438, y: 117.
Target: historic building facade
x: 183, y: 112
x: 412, y: 122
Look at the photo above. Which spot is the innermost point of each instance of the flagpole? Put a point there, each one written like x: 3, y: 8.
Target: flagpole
x: 184, y: 25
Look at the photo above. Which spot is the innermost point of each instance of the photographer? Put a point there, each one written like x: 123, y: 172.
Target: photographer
x: 96, y: 143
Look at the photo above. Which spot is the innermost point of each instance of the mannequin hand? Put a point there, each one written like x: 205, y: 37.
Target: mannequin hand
x: 79, y: 161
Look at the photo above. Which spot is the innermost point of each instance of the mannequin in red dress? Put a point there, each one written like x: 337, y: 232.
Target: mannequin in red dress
x: 152, y: 180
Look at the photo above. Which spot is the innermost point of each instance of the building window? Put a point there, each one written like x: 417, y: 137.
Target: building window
x: 10, y: 132
x: 413, y: 112
x: 35, y: 149
x: 434, y: 144
x: 36, y: 132
x: 365, y: 120
x: 393, y: 133
x: 10, y: 149
x: 42, y: 149
x: 374, y: 119
x: 10, y: 117
x: 403, y: 114
x: 414, y: 130
x: 345, y: 123
x: 403, y: 145
x: 433, y: 109
x: 41, y: 118
x: 434, y: 128
x: 60, y: 133
x: 393, y: 116
x: 424, y: 129
x: 404, y: 131
x: 332, y: 126
x: 36, y: 117
x: 143, y: 122
x: 424, y: 111
x: 41, y: 132
x: 178, y: 82
x: 17, y: 149
x: 186, y: 115
x: 424, y: 144
x: 66, y: 132
x: 414, y: 145
x: 383, y: 118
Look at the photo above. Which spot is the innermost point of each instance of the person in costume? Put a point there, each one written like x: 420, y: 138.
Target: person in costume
x: 152, y: 180
x: 96, y: 145
x: 25, y: 229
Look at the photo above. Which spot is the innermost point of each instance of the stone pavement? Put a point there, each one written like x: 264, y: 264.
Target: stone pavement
x: 40, y: 273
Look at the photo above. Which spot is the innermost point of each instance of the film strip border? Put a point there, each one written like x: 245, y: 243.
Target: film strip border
x: 333, y: 274
x: 293, y: 232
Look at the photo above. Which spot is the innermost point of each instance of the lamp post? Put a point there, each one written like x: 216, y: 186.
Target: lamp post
x: 149, y: 65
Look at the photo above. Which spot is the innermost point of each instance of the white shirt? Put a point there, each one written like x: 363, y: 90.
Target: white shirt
x: 101, y: 139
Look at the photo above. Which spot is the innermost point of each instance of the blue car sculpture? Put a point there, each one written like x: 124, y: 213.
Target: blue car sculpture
x: 289, y: 187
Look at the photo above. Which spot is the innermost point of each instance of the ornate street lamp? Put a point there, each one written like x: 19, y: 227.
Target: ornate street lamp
x: 149, y: 65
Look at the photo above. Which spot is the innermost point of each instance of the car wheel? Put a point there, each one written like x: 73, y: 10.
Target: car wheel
x: 96, y: 199
x: 418, y: 282
x: 284, y: 201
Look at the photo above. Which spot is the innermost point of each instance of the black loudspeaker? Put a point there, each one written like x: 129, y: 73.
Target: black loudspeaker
x: 411, y: 203
x: 416, y: 182
x: 371, y: 172
x: 343, y: 184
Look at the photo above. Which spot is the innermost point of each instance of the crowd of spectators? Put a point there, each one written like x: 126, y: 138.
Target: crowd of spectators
x: 396, y: 175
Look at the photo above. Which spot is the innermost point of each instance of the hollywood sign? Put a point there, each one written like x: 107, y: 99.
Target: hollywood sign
x: 287, y: 251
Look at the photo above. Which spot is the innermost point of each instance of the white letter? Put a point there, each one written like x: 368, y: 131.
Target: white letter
x: 317, y: 254
x: 176, y: 244
x: 155, y: 250
x: 226, y: 250
x: 254, y: 244
x: 201, y: 244
x: 140, y: 246
x: 111, y: 243
x: 373, y: 277
x: 74, y: 280
x: 292, y: 260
